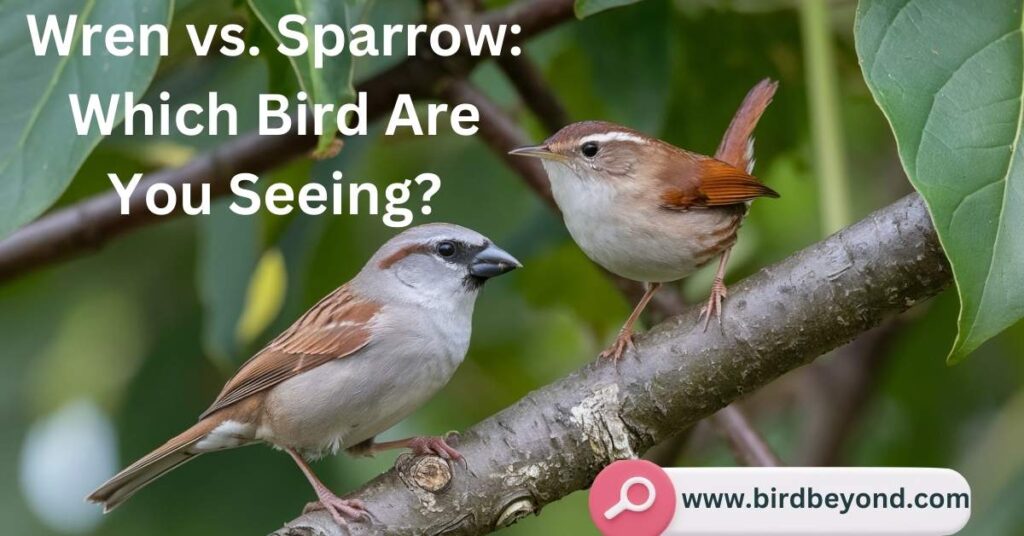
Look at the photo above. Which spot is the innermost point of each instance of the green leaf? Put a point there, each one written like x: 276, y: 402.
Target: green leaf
x: 949, y: 76
x: 229, y: 250
x: 282, y: 78
x: 39, y: 148
x: 586, y: 8
x: 332, y: 83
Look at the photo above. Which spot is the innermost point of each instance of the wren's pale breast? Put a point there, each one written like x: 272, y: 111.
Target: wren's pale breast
x: 624, y: 228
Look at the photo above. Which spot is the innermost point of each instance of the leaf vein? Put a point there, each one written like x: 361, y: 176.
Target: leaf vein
x: 941, y: 88
x: 1014, y: 150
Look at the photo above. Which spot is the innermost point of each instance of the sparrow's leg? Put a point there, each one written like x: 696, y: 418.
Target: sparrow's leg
x: 339, y: 508
x: 625, y: 338
x: 718, y: 293
x: 419, y: 446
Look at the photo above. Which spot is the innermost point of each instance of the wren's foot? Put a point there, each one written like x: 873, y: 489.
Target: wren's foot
x: 714, y: 306
x: 622, y: 343
x: 341, y: 510
x: 433, y: 445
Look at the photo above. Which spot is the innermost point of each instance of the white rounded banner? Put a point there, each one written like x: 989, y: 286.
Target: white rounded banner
x: 818, y: 500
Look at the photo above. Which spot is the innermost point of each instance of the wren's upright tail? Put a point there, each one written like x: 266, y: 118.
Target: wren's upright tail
x: 737, y: 147
x: 171, y: 454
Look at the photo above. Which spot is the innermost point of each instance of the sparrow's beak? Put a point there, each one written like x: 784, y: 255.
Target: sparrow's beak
x: 492, y: 261
x: 538, y: 151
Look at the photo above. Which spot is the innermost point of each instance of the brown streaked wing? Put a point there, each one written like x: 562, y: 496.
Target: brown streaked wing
x: 711, y: 183
x: 336, y: 327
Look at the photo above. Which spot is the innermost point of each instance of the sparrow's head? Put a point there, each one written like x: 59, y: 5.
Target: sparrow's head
x: 437, y: 262
x: 593, y: 149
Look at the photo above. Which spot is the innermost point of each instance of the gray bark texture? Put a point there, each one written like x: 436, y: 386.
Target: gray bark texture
x: 556, y: 439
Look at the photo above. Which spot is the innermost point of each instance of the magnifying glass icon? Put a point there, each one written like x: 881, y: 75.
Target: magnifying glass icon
x: 624, y: 502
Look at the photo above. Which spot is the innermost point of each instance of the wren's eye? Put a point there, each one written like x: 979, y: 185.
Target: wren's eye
x: 446, y: 249
x: 589, y: 149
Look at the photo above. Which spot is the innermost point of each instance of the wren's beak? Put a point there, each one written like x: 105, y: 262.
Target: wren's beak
x: 491, y: 262
x: 538, y: 151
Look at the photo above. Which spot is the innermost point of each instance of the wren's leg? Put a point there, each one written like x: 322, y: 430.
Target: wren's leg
x: 419, y: 445
x: 718, y: 293
x: 625, y: 338
x: 339, y: 508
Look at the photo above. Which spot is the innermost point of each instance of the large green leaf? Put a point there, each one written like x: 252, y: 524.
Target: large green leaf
x: 948, y: 75
x: 332, y: 83
x: 39, y: 148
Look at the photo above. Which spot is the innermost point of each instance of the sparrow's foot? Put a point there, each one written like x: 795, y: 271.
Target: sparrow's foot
x: 341, y: 510
x: 433, y: 445
x: 714, y: 305
x: 622, y: 343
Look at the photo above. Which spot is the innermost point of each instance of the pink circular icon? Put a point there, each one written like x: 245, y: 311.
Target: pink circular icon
x: 632, y: 498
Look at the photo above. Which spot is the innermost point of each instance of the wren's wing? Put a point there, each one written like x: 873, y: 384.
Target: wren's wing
x: 725, y: 179
x: 705, y: 182
x: 336, y: 327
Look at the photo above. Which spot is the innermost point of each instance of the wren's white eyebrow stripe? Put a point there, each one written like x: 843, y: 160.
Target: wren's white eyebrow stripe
x: 606, y: 137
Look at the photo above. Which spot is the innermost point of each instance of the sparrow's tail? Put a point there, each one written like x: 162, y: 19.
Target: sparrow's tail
x: 737, y: 147
x: 152, y: 466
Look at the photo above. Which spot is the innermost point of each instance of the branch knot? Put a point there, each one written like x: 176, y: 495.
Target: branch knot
x: 429, y: 473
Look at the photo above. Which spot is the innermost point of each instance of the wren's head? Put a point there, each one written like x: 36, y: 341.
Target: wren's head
x: 438, y: 265
x: 593, y: 149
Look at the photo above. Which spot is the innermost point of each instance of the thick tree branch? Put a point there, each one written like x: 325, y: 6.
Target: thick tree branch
x: 556, y: 439
x: 86, y: 226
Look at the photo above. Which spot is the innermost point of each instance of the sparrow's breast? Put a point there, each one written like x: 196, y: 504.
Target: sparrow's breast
x: 352, y: 399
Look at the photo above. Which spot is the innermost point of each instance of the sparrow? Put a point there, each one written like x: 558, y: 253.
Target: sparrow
x: 652, y: 212
x: 358, y: 362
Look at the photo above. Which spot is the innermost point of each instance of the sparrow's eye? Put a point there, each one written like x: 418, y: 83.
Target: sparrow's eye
x: 446, y: 249
x: 589, y: 149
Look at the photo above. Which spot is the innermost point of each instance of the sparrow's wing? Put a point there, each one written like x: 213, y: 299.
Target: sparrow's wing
x: 707, y: 182
x: 336, y: 327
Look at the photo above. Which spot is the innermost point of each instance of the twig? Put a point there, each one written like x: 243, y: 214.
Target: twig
x: 502, y: 135
x: 534, y: 90
x: 748, y: 446
x: 667, y: 453
x: 841, y: 388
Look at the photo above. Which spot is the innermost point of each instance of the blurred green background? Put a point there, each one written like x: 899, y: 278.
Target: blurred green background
x: 107, y: 356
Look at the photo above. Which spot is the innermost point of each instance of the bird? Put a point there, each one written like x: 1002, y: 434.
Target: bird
x: 649, y: 211
x: 359, y: 361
